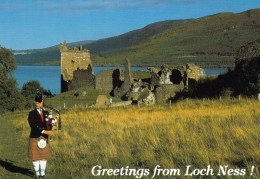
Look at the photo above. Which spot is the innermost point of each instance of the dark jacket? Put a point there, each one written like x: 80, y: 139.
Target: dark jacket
x: 36, y: 123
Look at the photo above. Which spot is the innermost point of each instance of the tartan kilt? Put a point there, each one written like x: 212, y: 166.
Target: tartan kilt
x: 36, y: 153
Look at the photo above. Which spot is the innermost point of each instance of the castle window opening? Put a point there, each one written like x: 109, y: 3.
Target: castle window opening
x: 176, y: 77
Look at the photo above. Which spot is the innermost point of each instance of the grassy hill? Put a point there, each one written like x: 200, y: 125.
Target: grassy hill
x: 209, y: 41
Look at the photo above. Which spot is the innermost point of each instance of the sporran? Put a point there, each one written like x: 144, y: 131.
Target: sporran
x: 42, y: 143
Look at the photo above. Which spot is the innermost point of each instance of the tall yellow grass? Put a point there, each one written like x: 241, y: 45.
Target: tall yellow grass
x: 194, y: 132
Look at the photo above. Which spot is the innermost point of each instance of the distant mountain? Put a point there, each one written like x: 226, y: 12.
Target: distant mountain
x: 45, y: 56
x: 209, y: 41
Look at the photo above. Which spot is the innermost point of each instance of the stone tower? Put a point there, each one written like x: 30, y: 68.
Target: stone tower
x: 76, y: 68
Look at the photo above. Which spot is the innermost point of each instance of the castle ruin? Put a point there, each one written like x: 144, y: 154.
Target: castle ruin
x: 164, y: 84
x: 76, y: 68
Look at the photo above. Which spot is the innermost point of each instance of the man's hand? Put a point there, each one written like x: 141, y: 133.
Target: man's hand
x: 54, y: 127
x: 48, y: 132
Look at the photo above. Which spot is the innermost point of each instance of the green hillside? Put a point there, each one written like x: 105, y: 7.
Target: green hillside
x: 45, y: 56
x: 209, y: 41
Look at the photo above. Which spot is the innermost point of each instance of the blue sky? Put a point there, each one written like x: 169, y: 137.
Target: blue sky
x: 32, y: 24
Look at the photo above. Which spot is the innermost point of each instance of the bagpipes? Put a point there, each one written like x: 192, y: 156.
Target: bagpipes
x: 50, y: 120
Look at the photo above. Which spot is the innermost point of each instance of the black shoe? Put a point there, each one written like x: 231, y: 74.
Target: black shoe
x: 43, y: 176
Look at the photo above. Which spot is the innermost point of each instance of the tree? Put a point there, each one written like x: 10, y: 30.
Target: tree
x: 10, y: 98
x: 29, y: 90
x: 249, y: 81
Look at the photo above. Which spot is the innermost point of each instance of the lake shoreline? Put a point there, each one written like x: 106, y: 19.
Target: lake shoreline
x: 135, y: 66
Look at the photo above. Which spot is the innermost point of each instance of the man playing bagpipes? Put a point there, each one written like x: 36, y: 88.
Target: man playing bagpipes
x: 41, y: 128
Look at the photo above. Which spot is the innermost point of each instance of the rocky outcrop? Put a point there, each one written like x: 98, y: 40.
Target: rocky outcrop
x: 141, y: 96
x: 146, y: 97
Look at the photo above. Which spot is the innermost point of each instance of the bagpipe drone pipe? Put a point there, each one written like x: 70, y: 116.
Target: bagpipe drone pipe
x: 51, y: 121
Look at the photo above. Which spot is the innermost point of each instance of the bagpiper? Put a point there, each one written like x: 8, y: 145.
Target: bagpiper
x: 39, y: 147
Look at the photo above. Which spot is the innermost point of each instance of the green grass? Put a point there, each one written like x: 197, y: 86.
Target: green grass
x: 190, y: 132
x: 87, y: 96
x: 13, y: 148
x: 141, y: 74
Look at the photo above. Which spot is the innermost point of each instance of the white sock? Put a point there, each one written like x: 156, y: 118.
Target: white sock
x: 36, y: 166
x: 43, y: 164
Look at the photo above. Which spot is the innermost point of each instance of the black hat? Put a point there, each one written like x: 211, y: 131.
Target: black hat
x: 38, y: 98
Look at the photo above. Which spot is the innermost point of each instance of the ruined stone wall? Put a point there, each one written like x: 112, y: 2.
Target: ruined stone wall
x: 128, y: 81
x: 72, y: 59
x: 76, y: 62
x: 82, y: 78
x: 165, y: 83
x: 109, y: 79
x: 194, y: 72
x: 166, y: 92
x: 168, y: 75
x: 170, y: 80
